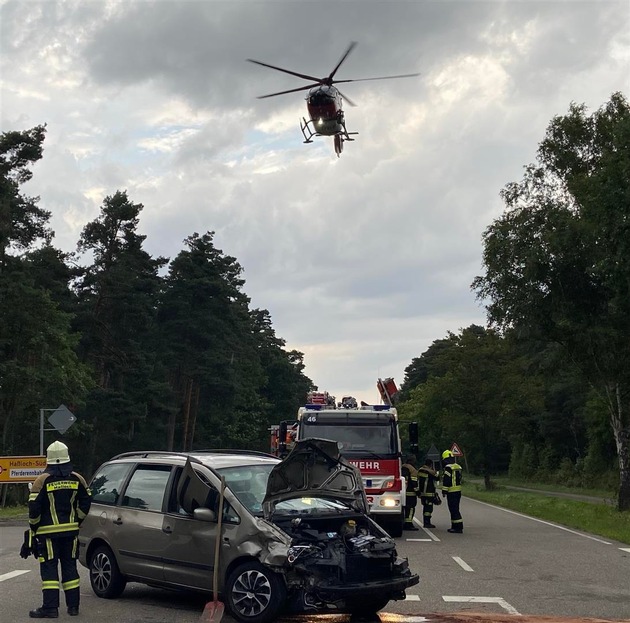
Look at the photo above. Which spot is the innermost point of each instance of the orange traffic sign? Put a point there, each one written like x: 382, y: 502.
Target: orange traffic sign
x: 21, y: 468
x: 456, y: 451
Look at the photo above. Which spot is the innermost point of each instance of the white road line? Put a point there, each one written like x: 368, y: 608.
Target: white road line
x: 420, y: 540
x: 547, y: 523
x: 412, y: 598
x: 13, y: 574
x: 433, y: 537
x: 462, y: 564
x: 625, y: 549
x: 482, y: 600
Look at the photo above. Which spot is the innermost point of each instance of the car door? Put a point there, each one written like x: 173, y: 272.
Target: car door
x: 137, y: 533
x: 189, y: 553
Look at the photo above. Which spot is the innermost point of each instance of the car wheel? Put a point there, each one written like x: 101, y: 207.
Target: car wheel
x: 254, y: 594
x: 366, y: 607
x: 105, y: 577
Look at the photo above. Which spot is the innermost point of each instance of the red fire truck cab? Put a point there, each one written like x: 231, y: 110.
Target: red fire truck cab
x: 369, y: 438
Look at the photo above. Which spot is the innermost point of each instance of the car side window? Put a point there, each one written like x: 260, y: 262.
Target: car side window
x: 211, y: 501
x: 108, y: 482
x: 146, y: 487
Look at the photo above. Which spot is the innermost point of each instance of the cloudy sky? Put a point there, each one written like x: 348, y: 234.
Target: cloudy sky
x: 362, y: 261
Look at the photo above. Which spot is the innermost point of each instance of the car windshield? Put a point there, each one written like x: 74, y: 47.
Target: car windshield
x: 249, y: 484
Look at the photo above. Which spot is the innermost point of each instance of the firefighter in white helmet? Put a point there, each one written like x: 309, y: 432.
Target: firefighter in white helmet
x: 58, y: 502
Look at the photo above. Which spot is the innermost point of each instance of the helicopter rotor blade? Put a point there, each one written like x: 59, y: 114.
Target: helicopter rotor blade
x: 347, y: 99
x: 379, y: 78
x: 286, y: 71
x: 308, y: 86
x: 343, y: 58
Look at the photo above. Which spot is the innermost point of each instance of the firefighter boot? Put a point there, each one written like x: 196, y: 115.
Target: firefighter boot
x: 44, y: 613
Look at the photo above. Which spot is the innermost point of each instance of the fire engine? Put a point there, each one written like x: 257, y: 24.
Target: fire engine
x: 369, y: 438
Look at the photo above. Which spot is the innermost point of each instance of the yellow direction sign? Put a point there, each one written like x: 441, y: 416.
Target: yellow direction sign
x: 21, y: 468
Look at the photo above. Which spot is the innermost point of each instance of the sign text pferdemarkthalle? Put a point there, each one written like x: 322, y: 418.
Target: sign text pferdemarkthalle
x: 15, y: 469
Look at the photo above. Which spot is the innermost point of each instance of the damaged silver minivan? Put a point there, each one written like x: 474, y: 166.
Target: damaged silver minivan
x: 295, y: 536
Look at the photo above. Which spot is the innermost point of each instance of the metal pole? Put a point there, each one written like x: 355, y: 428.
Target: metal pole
x: 41, y: 432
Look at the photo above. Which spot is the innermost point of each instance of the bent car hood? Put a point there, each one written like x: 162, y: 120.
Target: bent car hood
x: 315, y: 468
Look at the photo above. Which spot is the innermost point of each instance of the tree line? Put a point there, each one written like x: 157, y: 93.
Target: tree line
x: 544, y: 391
x: 152, y: 353
x: 148, y: 353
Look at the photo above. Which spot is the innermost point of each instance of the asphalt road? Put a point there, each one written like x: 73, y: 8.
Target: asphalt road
x: 504, y: 565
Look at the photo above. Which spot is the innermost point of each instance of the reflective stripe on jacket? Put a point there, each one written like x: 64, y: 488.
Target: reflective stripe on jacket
x: 426, y: 479
x: 411, y: 476
x: 58, y: 504
x: 452, y: 479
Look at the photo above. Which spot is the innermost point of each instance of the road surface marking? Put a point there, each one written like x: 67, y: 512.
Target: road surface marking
x: 13, y: 574
x: 482, y: 600
x: 422, y: 540
x: 547, y: 523
x: 433, y: 537
x: 412, y: 598
x: 462, y: 564
x: 625, y: 549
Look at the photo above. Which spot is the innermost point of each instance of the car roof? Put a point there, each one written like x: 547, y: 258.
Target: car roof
x: 215, y: 458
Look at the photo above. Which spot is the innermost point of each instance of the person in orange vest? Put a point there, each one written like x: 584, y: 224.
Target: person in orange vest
x: 57, y: 504
x: 452, y: 490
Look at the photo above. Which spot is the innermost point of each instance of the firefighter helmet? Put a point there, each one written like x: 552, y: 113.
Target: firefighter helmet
x: 57, y: 453
x: 447, y: 454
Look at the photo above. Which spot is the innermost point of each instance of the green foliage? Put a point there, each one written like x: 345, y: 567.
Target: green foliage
x: 145, y: 361
x: 22, y: 222
x: 557, y: 261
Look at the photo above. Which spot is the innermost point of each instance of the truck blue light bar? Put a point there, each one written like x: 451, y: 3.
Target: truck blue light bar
x: 314, y: 407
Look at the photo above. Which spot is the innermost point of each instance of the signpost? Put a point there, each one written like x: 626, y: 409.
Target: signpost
x: 15, y: 469
x: 61, y: 418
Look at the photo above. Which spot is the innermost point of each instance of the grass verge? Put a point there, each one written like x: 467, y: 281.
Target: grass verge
x: 10, y: 512
x: 599, y: 519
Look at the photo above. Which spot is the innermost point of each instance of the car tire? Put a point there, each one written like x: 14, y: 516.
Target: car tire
x: 254, y: 594
x: 366, y: 607
x: 105, y: 577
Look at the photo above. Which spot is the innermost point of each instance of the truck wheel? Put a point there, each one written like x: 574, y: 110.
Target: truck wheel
x: 395, y: 528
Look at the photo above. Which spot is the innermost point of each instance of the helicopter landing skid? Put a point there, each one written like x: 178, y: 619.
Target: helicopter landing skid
x: 339, y: 137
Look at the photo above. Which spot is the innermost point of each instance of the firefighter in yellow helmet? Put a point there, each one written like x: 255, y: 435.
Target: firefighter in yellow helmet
x: 452, y: 490
x: 58, y: 502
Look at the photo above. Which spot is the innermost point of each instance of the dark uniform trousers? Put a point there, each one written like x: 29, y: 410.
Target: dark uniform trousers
x: 53, y: 552
x: 411, y: 495
x: 453, y: 498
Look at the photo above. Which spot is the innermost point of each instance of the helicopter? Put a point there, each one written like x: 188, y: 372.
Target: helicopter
x: 324, y: 103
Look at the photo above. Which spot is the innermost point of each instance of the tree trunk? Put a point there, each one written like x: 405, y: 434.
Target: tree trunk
x: 621, y: 431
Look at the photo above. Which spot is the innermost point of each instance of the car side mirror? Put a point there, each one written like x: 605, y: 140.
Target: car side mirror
x: 205, y: 514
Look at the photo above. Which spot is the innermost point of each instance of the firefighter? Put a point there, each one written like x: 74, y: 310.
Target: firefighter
x: 427, y: 479
x: 410, y: 473
x: 58, y: 502
x: 452, y: 490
